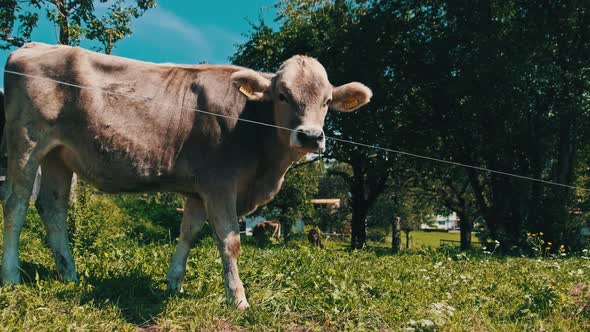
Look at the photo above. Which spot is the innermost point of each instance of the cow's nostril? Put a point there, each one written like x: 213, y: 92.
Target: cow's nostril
x: 302, y: 136
x: 311, y: 138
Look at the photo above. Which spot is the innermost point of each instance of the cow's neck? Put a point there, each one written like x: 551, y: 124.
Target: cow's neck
x: 280, y: 155
x: 273, y: 159
x: 275, y: 152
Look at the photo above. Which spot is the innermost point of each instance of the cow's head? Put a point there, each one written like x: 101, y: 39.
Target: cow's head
x: 301, y: 94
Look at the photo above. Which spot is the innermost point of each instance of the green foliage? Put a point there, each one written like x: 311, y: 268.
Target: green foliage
x: 500, y: 84
x: 75, y: 19
x: 332, y: 184
x: 93, y: 220
x: 495, y: 85
x: 540, y: 301
x: 122, y: 286
x: 152, y: 216
x: 293, y: 201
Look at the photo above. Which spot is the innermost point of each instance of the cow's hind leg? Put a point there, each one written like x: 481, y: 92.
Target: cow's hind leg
x: 193, y: 220
x: 52, y: 204
x: 21, y: 172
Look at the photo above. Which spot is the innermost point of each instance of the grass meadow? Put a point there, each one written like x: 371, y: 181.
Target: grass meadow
x: 122, y: 258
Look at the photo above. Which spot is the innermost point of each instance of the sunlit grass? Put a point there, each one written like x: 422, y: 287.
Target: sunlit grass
x: 291, y: 288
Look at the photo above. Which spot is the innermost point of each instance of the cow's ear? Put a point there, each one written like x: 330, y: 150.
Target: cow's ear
x: 349, y: 97
x: 252, y: 84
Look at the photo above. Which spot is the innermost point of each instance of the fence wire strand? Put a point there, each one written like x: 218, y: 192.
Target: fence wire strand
x: 335, y: 139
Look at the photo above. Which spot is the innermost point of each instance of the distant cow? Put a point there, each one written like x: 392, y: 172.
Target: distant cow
x: 271, y: 227
x: 130, y: 126
x: 314, y: 238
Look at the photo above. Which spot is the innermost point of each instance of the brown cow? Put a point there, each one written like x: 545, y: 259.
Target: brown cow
x: 314, y: 238
x: 272, y: 227
x: 131, y: 126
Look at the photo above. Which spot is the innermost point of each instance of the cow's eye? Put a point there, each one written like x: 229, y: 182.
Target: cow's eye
x: 328, y: 102
x: 282, y: 97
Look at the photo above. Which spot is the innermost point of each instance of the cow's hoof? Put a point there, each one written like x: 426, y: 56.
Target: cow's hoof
x: 69, y: 277
x: 174, y: 288
x: 243, y: 305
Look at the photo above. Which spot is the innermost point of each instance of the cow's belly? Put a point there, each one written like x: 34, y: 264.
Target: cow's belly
x: 115, y: 173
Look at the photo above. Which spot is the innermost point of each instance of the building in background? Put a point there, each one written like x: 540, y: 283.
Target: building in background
x: 449, y: 223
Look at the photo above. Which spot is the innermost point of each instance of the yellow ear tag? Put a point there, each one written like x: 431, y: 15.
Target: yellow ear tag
x: 246, y: 89
x: 350, y: 103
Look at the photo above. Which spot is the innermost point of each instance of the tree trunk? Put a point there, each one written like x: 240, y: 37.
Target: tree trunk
x: 564, y: 174
x: 408, y: 239
x: 466, y: 227
x: 396, y: 239
x: 64, y: 22
x: 359, y: 228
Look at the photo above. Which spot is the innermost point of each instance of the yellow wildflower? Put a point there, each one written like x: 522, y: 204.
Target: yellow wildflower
x: 541, y: 233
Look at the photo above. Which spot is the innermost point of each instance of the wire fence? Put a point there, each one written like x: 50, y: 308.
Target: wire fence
x: 335, y: 139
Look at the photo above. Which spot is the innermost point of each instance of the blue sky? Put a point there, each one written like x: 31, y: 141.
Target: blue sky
x: 181, y: 31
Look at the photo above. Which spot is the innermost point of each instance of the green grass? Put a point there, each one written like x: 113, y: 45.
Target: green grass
x: 428, y: 239
x: 290, y: 288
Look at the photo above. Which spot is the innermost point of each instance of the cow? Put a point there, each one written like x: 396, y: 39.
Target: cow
x: 124, y: 125
x: 271, y: 227
x: 314, y: 238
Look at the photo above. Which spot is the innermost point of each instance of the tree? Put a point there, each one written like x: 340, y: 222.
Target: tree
x: 332, y: 185
x: 330, y: 31
x: 497, y: 84
x: 453, y: 190
x: 416, y: 209
x: 293, y: 201
x: 405, y: 205
x: 76, y: 20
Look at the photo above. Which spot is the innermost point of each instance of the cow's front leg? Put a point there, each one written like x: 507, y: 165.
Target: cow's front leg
x: 223, y: 218
x: 193, y: 219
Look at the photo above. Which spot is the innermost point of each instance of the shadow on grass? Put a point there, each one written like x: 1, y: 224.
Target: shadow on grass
x: 133, y: 294
x: 30, y: 271
x: 139, y: 302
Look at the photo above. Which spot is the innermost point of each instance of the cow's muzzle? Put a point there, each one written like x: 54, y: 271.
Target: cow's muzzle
x: 309, y: 139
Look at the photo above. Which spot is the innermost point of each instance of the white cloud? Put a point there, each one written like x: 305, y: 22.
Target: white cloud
x: 160, y: 18
x: 184, y: 41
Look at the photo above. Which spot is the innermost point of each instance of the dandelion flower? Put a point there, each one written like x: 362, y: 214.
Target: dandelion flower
x: 541, y: 233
